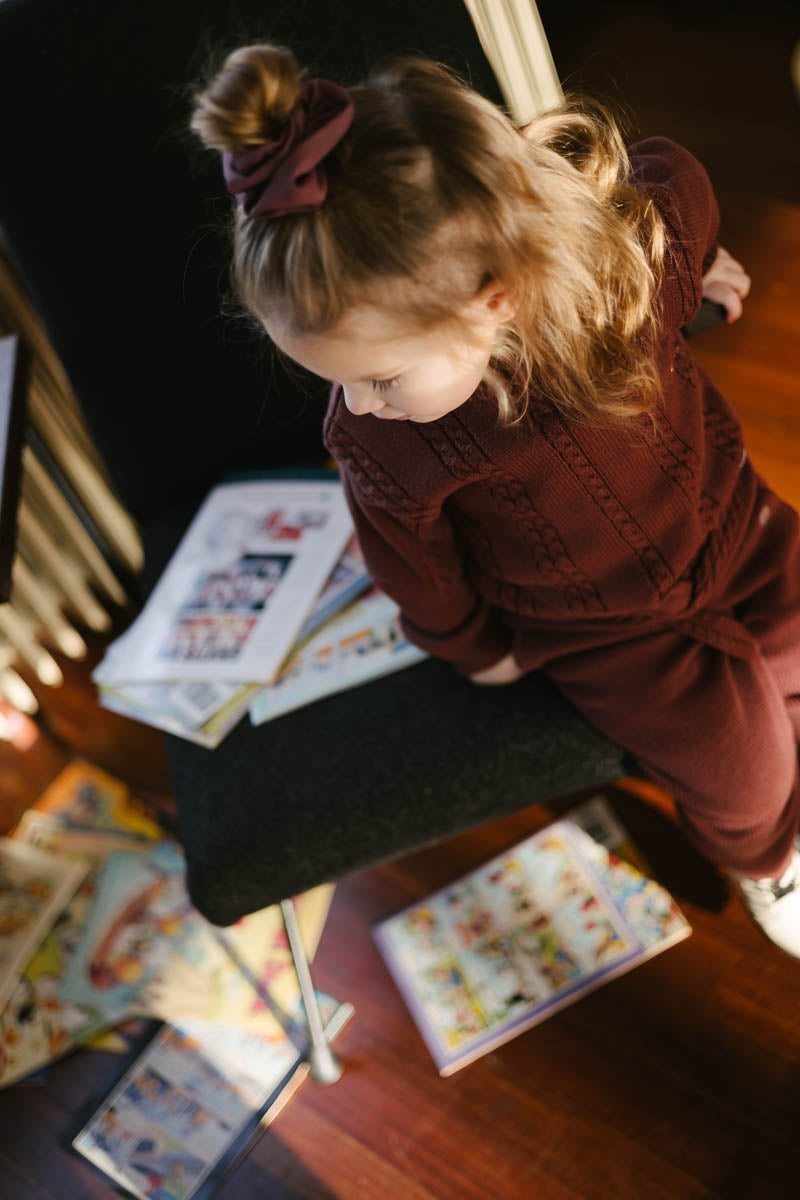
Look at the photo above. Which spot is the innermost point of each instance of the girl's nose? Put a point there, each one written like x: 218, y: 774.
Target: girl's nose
x: 362, y: 401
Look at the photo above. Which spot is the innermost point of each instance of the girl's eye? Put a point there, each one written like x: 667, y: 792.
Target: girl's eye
x: 383, y: 385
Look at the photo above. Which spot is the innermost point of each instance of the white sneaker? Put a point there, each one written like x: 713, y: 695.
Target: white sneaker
x: 774, y: 905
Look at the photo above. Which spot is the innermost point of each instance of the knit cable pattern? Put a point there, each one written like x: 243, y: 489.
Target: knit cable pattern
x: 717, y: 547
x: 371, y: 478
x: 549, y: 552
x: 723, y: 433
x: 455, y: 447
x: 599, y: 491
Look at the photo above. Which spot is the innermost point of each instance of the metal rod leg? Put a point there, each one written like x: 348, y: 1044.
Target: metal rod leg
x: 325, y: 1066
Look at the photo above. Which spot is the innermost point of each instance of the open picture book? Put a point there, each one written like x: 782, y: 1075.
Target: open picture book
x: 527, y: 933
x: 193, y: 1103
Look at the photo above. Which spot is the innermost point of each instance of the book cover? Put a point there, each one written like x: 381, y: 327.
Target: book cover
x: 141, y: 921
x: 237, y: 590
x: 347, y: 581
x: 83, y: 796
x: 365, y: 642
x: 248, y: 981
x: 145, y: 949
x: 527, y: 933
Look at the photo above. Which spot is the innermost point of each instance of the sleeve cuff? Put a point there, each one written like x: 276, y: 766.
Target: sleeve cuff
x: 710, y: 255
x: 478, y: 642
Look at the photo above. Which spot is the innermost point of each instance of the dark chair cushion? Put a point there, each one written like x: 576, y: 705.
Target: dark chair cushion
x: 366, y: 775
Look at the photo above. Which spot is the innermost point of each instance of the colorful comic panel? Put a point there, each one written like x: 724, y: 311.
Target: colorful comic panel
x: 551, y: 865
x: 449, y: 1005
x: 139, y: 1154
x: 468, y: 913
x: 541, y: 944
x: 420, y: 937
x: 647, y: 907
x: 504, y: 981
x: 217, y: 638
x: 245, y: 587
x: 509, y: 892
x: 584, y: 926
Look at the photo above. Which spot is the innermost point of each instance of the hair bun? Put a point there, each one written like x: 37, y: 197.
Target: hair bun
x: 249, y: 99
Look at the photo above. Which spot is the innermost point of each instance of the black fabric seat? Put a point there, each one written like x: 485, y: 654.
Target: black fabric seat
x: 111, y: 219
x: 366, y: 775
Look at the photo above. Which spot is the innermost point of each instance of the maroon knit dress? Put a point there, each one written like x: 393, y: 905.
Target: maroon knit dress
x: 650, y: 574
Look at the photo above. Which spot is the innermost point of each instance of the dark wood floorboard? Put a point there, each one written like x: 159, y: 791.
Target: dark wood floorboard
x: 679, y: 1081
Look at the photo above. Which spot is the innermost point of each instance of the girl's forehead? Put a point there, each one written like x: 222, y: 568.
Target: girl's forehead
x: 364, y: 344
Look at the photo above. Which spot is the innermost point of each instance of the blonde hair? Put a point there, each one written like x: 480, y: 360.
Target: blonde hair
x: 432, y: 193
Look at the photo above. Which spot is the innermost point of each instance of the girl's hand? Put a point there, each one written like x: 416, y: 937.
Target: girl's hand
x: 504, y: 671
x: 726, y: 283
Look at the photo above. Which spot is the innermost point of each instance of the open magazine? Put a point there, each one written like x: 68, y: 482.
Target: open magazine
x: 527, y: 933
x: 191, y: 1105
x: 205, y: 710
x: 239, y: 587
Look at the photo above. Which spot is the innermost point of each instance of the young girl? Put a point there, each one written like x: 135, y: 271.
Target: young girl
x: 539, y: 473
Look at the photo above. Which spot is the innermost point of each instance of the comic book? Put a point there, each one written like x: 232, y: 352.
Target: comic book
x: 239, y: 587
x: 146, y: 949
x: 509, y: 944
x: 365, y: 642
x: 129, y: 940
x: 34, y: 888
x: 348, y: 580
x: 37, y: 1025
x: 191, y: 1105
x: 83, y: 796
x: 204, y: 711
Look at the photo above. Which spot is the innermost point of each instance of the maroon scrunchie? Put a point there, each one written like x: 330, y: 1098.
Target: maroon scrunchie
x: 286, y: 175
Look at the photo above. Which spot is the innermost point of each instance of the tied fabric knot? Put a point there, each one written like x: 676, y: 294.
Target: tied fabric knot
x: 286, y: 174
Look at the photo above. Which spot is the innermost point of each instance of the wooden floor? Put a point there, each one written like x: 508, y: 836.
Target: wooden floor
x: 678, y: 1081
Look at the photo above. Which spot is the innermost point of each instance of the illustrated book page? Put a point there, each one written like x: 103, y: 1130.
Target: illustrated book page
x: 145, y: 949
x: 239, y: 587
x: 204, y: 711
x: 530, y: 931
x: 190, y: 1105
x: 83, y: 796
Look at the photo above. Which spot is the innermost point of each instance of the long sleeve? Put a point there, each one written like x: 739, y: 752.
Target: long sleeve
x: 417, y: 560
x: 680, y: 186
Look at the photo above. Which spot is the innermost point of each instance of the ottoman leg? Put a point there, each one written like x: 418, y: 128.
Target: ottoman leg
x: 325, y: 1066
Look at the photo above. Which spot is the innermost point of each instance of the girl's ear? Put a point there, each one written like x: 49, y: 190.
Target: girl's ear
x: 497, y: 301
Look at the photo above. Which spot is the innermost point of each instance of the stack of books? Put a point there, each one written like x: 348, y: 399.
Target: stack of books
x: 265, y: 606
